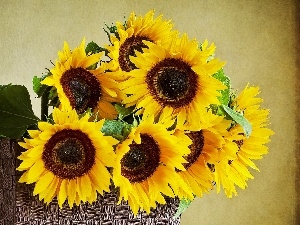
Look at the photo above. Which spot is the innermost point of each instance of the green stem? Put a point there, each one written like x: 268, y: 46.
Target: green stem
x: 44, y: 104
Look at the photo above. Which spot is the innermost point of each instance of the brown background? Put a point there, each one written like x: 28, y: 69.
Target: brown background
x: 258, y: 39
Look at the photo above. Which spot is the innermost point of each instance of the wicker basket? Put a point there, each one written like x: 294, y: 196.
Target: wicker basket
x: 18, y: 206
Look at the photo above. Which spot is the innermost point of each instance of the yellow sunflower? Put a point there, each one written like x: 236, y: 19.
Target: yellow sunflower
x: 145, y: 165
x: 208, y: 148
x: 175, y: 76
x: 80, y: 87
x: 67, y: 159
x: 131, y: 36
x: 236, y: 172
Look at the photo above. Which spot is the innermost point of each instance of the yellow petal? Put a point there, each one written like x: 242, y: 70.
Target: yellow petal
x: 33, y: 133
x: 133, y: 205
x: 43, y: 182
x: 35, y: 152
x: 72, y: 192
x: 26, y: 164
x: 48, y: 81
x: 23, y: 178
x: 62, y: 194
x: 51, y: 193
x: 86, y: 186
x: 77, y: 199
x: 35, y: 171
x: 81, y: 185
x: 24, y: 145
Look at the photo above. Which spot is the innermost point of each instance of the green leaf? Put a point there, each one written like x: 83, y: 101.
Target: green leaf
x: 111, y: 30
x: 93, y: 48
x: 183, y: 205
x: 53, y: 97
x: 126, y: 130
x: 36, y: 82
x: 38, y: 88
x: 217, y: 110
x: 116, y: 129
x: 123, y: 111
x: 16, y: 113
x: 225, y: 94
x: 240, y: 119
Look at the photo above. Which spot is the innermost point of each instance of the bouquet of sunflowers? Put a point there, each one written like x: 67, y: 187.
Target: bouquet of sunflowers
x: 151, y: 113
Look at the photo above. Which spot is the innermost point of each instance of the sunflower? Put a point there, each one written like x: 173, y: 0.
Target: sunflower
x: 145, y: 165
x: 208, y: 148
x: 67, y: 159
x: 80, y: 87
x: 131, y: 36
x: 236, y: 172
x: 176, y: 76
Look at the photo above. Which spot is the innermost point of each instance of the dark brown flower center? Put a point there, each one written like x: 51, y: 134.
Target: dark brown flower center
x: 69, y: 151
x: 69, y: 154
x: 172, y: 82
x: 82, y: 88
x: 134, y: 43
x: 196, y: 148
x: 142, y: 160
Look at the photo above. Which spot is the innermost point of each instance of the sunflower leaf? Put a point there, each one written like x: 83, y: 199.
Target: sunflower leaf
x: 111, y: 30
x: 126, y: 129
x: 38, y: 88
x: 183, y: 205
x: 225, y: 94
x: 116, y: 129
x: 16, y: 113
x: 93, y: 48
x: 123, y: 111
x: 240, y: 119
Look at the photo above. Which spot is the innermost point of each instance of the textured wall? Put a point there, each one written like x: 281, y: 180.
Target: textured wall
x: 256, y: 38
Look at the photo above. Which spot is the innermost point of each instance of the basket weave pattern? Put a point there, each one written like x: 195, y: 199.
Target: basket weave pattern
x: 19, y: 206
